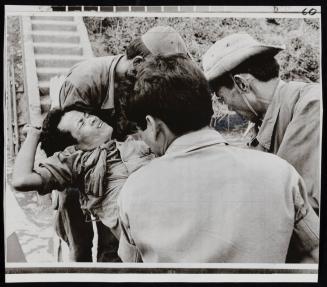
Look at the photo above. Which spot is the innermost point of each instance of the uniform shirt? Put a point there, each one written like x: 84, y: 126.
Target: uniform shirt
x: 291, y: 130
x: 90, y: 87
x: 204, y: 201
x: 99, y: 173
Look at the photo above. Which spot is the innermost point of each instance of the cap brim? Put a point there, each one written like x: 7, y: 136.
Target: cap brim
x: 237, y: 57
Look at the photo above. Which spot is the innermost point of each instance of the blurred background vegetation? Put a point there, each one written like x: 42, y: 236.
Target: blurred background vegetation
x: 110, y: 35
x: 300, y: 61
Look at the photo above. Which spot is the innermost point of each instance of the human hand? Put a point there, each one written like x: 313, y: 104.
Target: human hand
x: 30, y: 129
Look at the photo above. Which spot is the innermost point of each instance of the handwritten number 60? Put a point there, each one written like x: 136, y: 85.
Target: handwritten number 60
x: 311, y: 12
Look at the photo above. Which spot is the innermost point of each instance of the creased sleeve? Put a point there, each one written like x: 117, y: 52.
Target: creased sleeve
x: 57, y: 171
x: 71, y: 96
x: 301, y: 143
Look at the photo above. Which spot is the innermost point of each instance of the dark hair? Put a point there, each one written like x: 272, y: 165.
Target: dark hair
x: 263, y: 67
x: 52, y: 139
x: 137, y: 48
x: 224, y: 80
x: 173, y: 89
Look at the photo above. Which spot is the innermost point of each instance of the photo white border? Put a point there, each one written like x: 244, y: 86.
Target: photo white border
x: 262, y: 272
x: 191, y: 278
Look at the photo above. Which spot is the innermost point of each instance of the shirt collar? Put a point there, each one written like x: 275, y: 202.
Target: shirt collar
x: 268, y: 124
x: 109, y: 102
x: 106, y: 145
x: 195, y: 140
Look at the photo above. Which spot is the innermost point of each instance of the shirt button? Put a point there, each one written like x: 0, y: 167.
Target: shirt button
x: 303, y: 211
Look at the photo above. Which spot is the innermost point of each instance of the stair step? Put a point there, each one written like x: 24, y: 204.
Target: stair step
x: 53, y: 18
x: 59, y: 37
x: 53, y: 26
x: 57, y: 61
x: 59, y: 49
x: 45, y: 74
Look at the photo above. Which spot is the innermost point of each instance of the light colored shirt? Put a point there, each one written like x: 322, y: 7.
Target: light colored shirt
x: 99, y: 173
x: 205, y: 201
x: 291, y: 130
x: 89, y: 85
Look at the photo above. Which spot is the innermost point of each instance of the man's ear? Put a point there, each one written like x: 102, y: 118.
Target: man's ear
x: 153, y: 126
x: 241, y: 82
x: 137, y: 61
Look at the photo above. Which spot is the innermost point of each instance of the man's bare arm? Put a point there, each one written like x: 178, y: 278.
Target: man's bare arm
x: 24, y: 178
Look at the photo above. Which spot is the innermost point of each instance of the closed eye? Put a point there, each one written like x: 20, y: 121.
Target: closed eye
x: 80, y: 123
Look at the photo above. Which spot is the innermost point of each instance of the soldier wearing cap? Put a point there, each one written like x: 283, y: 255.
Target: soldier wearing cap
x: 92, y: 85
x: 245, y: 74
x: 198, y: 201
x: 100, y: 86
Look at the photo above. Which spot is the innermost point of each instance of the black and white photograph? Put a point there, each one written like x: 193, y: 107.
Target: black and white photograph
x: 162, y: 143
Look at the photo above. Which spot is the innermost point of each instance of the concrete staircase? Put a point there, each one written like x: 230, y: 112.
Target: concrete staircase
x: 52, y: 44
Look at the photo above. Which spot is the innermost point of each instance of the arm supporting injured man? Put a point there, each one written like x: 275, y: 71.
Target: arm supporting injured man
x: 96, y: 164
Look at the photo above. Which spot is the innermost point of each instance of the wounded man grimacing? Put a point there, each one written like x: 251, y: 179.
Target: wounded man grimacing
x: 96, y: 164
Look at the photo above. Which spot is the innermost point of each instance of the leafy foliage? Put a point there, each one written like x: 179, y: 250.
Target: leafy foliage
x: 299, y: 61
x: 301, y: 37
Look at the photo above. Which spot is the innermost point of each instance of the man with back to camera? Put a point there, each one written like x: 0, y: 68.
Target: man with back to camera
x: 100, y: 86
x: 199, y: 201
x: 245, y: 74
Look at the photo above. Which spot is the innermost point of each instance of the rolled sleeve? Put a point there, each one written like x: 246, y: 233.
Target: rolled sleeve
x: 56, y: 172
x: 48, y: 182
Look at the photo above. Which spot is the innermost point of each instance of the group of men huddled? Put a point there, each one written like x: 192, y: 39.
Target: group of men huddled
x: 130, y: 146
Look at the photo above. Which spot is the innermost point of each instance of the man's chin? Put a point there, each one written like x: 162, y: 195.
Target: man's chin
x: 107, y: 134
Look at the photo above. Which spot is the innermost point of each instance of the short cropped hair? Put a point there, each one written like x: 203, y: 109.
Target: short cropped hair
x: 174, y: 90
x: 263, y: 67
x: 52, y: 139
x: 137, y: 48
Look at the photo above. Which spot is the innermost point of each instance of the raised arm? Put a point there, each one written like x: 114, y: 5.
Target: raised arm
x: 24, y: 179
